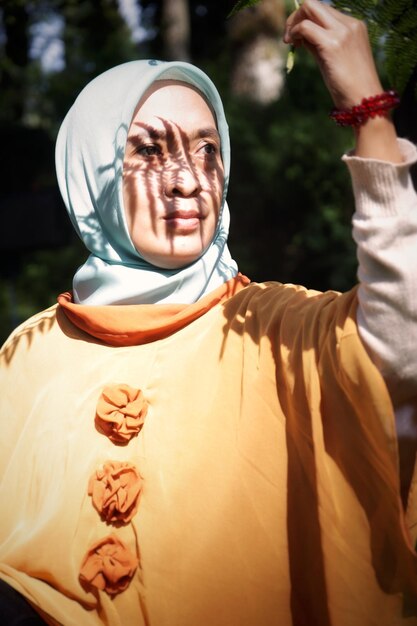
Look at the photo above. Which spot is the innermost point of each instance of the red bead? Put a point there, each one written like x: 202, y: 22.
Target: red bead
x: 368, y: 108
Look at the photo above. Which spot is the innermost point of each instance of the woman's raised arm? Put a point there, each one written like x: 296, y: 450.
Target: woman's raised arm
x: 385, y: 220
x: 341, y: 46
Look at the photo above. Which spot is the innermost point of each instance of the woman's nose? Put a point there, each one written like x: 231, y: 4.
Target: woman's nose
x: 182, y: 181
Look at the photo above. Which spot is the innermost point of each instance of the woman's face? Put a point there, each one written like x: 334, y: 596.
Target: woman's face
x: 173, y: 175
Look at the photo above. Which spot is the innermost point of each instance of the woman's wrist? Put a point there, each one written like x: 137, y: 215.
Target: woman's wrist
x: 377, y: 139
x: 375, y: 134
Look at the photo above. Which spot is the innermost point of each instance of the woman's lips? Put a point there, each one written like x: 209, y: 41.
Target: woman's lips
x: 183, y: 220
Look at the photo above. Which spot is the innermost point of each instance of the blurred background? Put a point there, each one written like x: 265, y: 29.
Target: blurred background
x: 290, y: 195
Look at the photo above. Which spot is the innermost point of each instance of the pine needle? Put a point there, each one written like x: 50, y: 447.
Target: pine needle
x: 242, y: 4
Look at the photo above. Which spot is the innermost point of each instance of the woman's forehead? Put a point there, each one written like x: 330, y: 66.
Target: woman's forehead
x: 174, y: 101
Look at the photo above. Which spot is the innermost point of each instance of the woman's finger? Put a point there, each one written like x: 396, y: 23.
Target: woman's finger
x: 327, y: 17
x: 310, y: 32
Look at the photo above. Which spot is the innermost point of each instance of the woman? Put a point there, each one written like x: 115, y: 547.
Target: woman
x: 183, y: 447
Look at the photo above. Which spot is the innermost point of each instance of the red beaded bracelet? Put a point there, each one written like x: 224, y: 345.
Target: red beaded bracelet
x: 369, y: 107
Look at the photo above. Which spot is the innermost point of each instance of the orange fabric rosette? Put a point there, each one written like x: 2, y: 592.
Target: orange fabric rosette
x: 109, y: 566
x: 115, y: 489
x: 121, y: 412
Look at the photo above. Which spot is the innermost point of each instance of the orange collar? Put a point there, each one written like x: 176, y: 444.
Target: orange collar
x: 134, y: 324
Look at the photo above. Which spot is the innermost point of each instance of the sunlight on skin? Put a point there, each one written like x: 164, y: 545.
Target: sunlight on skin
x: 173, y: 175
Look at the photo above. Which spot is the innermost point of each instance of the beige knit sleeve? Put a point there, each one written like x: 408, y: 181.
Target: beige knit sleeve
x: 385, y: 230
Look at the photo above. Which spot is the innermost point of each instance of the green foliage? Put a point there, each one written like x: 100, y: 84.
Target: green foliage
x: 33, y: 281
x: 32, y: 102
x: 290, y: 196
x: 393, y: 25
x: 242, y: 4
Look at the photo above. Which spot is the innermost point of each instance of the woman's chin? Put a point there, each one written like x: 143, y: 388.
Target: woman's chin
x: 173, y: 261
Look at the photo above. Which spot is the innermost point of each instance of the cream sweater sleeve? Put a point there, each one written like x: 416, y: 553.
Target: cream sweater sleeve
x: 385, y: 230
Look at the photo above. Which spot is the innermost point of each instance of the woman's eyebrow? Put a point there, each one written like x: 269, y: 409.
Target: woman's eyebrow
x: 161, y: 134
x: 148, y: 132
x: 209, y: 133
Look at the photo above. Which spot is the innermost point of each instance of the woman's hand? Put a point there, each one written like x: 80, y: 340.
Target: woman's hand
x: 341, y: 46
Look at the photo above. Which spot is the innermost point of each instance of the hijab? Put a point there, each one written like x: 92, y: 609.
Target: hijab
x: 89, y: 162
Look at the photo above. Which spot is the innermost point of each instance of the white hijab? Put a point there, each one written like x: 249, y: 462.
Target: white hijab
x: 89, y: 161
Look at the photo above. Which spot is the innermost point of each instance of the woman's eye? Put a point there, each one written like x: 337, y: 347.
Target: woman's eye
x: 149, y: 151
x: 209, y: 148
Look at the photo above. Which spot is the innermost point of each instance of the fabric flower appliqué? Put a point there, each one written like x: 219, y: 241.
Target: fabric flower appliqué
x: 121, y: 412
x: 115, y: 491
x: 109, y: 566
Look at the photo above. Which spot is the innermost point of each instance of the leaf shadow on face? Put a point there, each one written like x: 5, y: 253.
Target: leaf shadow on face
x: 171, y: 179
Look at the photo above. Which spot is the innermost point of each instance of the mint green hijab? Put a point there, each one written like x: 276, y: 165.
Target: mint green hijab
x: 89, y: 161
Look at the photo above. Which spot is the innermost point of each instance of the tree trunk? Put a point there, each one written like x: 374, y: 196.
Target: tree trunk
x: 13, y: 65
x: 258, y: 51
x: 175, y: 30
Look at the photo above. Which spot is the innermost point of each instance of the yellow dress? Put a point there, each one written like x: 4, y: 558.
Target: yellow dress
x: 230, y: 462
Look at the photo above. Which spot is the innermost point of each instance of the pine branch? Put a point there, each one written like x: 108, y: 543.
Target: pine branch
x: 392, y: 24
x: 242, y: 4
